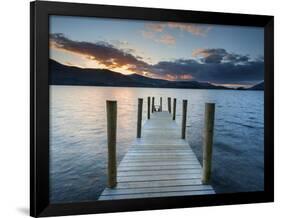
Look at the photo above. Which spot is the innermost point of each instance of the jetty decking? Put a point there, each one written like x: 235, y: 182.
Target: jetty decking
x: 159, y: 164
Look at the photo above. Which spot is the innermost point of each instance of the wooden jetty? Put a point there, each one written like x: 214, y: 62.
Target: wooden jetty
x: 160, y: 163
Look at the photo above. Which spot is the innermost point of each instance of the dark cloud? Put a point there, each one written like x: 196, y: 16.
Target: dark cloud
x: 102, y: 52
x: 210, y: 55
x: 228, y: 72
x: 219, y: 55
x: 235, y: 58
x: 212, y: 65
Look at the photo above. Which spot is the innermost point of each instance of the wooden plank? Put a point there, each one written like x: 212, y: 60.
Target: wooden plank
x: 153, y: 168
x: 164, y: 150
x: 154, y: 195
x: 157, y: 177
x: 157, y: 189
x: 159, y: 152
x: 135, y: 155
x: 151, y: 143
x: 162, y: 183
x: 183, y: 156
x: 159, y: 163
x: 158, y: 172
x: 158, y: 148
x: 159, y: 158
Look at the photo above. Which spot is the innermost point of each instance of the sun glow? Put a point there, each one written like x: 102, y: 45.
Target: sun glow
x: 124, y: 70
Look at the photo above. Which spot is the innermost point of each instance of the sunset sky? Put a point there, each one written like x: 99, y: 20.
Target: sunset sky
x: 225, y: 55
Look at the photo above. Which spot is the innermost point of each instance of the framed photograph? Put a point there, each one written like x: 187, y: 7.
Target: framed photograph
x: 142, y: 109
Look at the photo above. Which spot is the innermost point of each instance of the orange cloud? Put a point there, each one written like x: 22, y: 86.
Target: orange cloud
x: 201, y: 52
x: 167, y: 39
x: 101, y: 52
x: 173, y: 77
x: 198, y: 30
x: 155, y: 31
x: 195, y: 29
x: 157, y: 27
x: 185, y: 77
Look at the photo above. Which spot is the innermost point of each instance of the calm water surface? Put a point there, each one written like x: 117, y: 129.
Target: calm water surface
x: 78, y: 137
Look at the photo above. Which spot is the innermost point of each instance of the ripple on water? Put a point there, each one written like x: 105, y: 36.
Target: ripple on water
x: 78, y: 136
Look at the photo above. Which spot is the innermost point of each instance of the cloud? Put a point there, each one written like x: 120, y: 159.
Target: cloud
x: 219, y: 73
x: 214, y: 65
x: 210, y: 55
x: 156, y: 27
x: 183, y: 77
x: 198, y: 30
x: 219, y: 55
x: 194, y: 29
x: 167, y: 39
x: 156, y: 31
x: 102, y: 52
x: 163, y: 38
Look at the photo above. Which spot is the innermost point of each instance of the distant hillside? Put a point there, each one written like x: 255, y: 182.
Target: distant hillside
x: 68, y: 75
x: 259, y: 86
x: 174, y: 84
x: 147, y: 80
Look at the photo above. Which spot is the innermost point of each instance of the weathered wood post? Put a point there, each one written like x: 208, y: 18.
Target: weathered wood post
x: 148, y: 108
x: 183, y: 124
x: 208, y: 142
x: 111, y: 109
x: 174, y: 109
x: 169, y: 104
x: 153, y: 107
x: 140, y: 101
x: 160, y: 104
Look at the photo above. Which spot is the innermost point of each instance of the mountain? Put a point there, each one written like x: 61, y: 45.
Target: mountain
x: 69, y: 75
x: 147, y: 80
x: 259, y: 86
x: 192, y: 85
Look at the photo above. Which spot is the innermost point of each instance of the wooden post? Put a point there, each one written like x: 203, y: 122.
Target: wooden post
x: 111, y: 109
x: 174, y: 109
x: 140, y: 101
x: 169, y: 104
x: 183, y: 124
x: 208, y: 142
x: 148, y: 108
x: 153, y: 107
x: 160, y: 104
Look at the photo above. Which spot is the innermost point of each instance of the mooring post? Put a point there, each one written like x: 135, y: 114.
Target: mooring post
x: 183, y: 124
x: 160, y: 103
x: 148, y: 108
x: 169, y: 104
x: 153, y: 107
x: 140, y: 101
x: 208, y: 142
x: 111, y: 109
x: 174, y: 109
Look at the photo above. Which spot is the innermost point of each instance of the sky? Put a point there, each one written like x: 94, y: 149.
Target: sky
x: 224, y: 55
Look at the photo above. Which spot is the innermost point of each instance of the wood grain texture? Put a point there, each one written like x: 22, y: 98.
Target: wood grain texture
x: 159, y: 164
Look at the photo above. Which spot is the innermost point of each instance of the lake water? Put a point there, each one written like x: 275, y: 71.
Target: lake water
x: 78, y: 146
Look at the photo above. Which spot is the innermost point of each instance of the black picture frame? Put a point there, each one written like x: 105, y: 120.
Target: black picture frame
x: 39, y: 108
